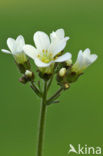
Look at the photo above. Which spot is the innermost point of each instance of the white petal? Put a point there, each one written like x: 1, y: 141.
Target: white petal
x: 67, y: 38
x: 93, y: 57
x: 58, y: 35
x: 58, y: 46
x: 5, y: 51
x: 20, y: 43
x: 39, y: 63
x: 64, y: 57
x: 87, y: 51
x: 11, y: 44
x: 80, y: 57
x: 30, y: 51
x: 41, y: 40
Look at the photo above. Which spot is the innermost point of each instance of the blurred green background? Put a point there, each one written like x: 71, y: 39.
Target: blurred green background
x: 78, y: 119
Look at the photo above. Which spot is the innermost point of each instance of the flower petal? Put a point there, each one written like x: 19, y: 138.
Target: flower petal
x: 59, y: 34
x: 57, y: 46
x: 93, y: 57
x: 87, y: 51
x: 41, y: 40
x: 80, y: 58
x: 20, y: 42
x: 39, y: 63
x: 64, y: 57
x: 11, y: 44
x: 5, y: 51
x: 30, y: 51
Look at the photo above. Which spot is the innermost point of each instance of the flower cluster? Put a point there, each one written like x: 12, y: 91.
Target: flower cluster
x: 50, y: 60
x: 49, y: 57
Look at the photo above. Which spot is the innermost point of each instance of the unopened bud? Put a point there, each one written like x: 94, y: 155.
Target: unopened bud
x: 62, y: 72
x: 66, y: 85
x: 69, y: 62
x: 28, y: 76
x: 28, y: 73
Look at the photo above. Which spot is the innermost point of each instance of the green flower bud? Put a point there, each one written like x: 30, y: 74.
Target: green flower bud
x: 69, y: 62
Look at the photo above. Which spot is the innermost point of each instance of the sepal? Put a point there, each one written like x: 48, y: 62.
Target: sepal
x: 23, y: 67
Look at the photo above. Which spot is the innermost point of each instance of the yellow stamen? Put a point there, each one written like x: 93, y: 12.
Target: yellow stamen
x: 45, y: 56
x: 43, y: 50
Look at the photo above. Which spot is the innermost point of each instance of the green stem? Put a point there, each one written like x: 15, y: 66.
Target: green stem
x: 42, y: 122
x: 50, y: 82
x: 55, y: 96
x: 35, y: 89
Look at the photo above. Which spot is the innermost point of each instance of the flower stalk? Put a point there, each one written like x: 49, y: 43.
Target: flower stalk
x: 55, y: 96
x: 35, y: 89
x: 42, y: 121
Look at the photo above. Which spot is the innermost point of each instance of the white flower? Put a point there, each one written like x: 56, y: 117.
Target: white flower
x: 84, y: 59
x: 46, y: 51
x: 16, y: 49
